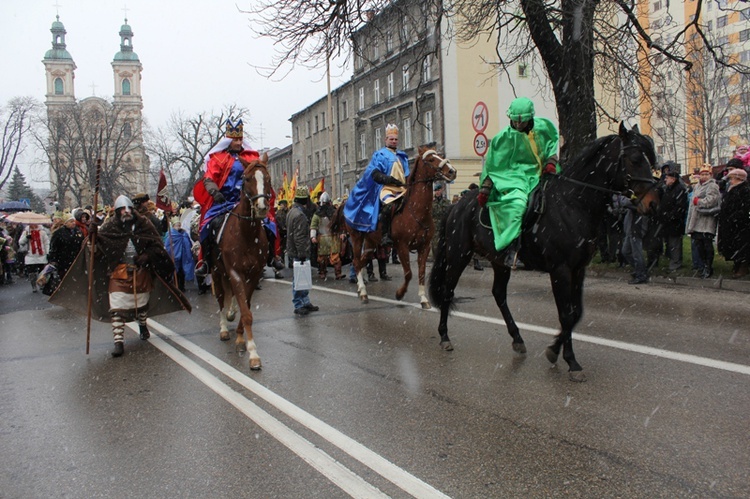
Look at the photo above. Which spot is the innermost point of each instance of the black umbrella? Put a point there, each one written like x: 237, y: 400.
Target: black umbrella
x: 12, y: 206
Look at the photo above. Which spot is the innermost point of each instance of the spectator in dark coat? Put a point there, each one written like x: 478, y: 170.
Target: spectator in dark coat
x: 64, y: 245
x: 298, y: 245
x: 734, y: 223
x: 671, y: 216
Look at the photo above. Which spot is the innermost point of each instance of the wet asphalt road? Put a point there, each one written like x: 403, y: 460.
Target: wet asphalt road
x: 370, y: 404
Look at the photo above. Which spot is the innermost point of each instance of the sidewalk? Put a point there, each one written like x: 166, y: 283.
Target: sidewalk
x: 717, y: 282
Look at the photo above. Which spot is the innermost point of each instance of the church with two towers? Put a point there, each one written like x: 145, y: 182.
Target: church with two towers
x: 83, y: 131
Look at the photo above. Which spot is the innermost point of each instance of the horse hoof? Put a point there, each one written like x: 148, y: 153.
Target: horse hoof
x: 426, y: 306
x: 224, y: 336
x: 551, y: 355
x: 240, y: 347
x: 519, y: 347
x: 576, y: 376
x: 255, y: 364
x: 230, y: 316
x: 446, y: 345
x: 364, y: 299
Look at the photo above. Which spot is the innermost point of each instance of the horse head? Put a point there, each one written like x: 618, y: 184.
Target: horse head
x: 256, y: 186
x: 440, y: 168
x: 637, y: 158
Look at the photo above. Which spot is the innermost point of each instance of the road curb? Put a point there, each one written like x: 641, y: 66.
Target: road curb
x: 719, y: 283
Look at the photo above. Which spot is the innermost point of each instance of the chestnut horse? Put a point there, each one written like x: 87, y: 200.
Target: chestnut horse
x: 412, y: 227
x: 243, y: 251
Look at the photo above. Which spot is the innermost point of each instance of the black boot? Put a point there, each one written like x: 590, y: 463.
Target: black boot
x: 477, y: 265
x: 144, y: 332
x: 119, y: 349
x: 385, y: 225
x: 511, y: 257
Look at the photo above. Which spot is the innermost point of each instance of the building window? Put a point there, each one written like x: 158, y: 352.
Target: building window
x: 428, y: 127
x: 407, y: 133
x: 405, y: 33
x: 317, y: 127
x: 378, y: 137
x: 58, y: 86
x: 657, y: 5
x: 325, y: 160
x: 390, y: 86
x: 745, y: 56
x: 125, y: 87
x: 296, y: 133
x: 308, y: 128
x: 362, y: 146
x: 389, y: 42
x: 523, y: 70
x: 317, y: 161
x: 361, y: 98
x: 746, y: 14
x: 744, y: 35
x: 721, y: 21
x: 405, y: 78
x: 376, y: 92
x: 127, y: 130
x: 426, y: 69
x: 722, y: 40
x: 344, y: 111
x: 323, y: 120
x: 375, y: 50
x: 345, y: 154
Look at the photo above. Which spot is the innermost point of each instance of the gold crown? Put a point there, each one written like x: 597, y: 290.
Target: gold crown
x: 391, y: 129
x: 234, y: 130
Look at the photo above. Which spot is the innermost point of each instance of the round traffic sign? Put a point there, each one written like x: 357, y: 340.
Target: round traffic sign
x: 480, y: 144
x: 480, y: 117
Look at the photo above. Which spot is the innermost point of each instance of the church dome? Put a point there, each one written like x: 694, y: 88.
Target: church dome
x: 58, y: 50
x: 126, y: 46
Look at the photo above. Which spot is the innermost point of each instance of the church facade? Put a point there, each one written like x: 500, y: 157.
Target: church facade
x: 94, y: 130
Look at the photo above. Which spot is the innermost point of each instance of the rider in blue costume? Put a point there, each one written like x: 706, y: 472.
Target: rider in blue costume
x: 382, y: 182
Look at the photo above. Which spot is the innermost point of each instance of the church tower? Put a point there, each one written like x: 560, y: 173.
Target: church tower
x: 60, y: 69
x: 128, y: 100
x: 127, y: 71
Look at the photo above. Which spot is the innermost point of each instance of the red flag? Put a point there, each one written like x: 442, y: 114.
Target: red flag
x: 162, y: 196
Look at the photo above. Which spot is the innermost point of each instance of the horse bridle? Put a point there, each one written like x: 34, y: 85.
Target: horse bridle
x: 628, y: 192
x: 437, y: 168
x: 252, y: 200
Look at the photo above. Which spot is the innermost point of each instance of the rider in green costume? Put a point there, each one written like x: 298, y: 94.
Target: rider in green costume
x: 517, y: 156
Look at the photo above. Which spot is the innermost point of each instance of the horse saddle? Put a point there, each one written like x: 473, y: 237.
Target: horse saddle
x: 535, y: 206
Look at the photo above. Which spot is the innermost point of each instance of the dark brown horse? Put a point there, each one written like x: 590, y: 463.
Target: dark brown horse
x: 561, y: 240
x: 243, y: 251
x: 411, y: 227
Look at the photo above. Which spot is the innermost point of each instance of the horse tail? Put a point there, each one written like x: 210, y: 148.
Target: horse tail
x: 437, y: 289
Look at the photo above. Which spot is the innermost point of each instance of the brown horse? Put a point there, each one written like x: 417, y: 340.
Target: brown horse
x: 412, y: 227
x: 243, y: 251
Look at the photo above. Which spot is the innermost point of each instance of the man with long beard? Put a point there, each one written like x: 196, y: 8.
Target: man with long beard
x: 134, y: 256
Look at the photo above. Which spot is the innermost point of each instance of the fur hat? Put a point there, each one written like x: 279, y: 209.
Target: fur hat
x: 739, y: 173
x: 140, y: 198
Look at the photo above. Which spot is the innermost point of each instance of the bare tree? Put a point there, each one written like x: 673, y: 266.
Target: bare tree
x: 75, y: 137
x: 576, y: 41
x: 15, y: 118
x: 180, y: 148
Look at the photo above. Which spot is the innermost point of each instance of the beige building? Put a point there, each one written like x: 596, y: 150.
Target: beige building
x: 116, y: 125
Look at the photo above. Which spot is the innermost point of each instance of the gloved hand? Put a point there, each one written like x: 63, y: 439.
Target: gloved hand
x: 141, y: 260
x: 695, y: 201
x: 218, y: 197
x: 394, y: 181
x: 549, y: 168
x: 482, y: 198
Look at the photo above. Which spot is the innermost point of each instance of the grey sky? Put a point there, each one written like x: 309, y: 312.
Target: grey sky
x: 195, y: 56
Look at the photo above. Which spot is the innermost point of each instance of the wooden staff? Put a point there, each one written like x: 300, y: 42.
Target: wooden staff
x: 92, y: 241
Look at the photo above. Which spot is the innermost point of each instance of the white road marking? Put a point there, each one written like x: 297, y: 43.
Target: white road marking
x: 620, y: 345
x: 344, y: 478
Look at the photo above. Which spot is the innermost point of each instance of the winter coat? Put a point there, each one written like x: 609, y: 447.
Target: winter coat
x: 734, y: 224
x: 32, y: 257
x: 708, y: 197
x: 673, y: 208
x: 64, y: 247
x: 297, y: 233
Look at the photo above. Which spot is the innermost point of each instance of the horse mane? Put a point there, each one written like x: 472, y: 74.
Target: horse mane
x: 588, y: 154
